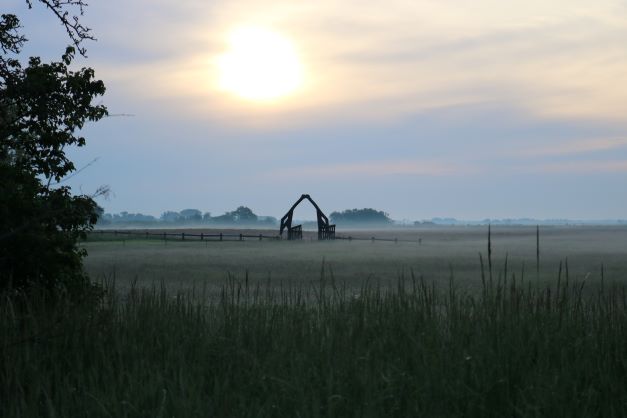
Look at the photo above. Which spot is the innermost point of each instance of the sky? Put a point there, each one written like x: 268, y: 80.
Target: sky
x: 467, y: 109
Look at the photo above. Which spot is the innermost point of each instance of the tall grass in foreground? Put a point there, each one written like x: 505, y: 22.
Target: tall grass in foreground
x: 511, y: 350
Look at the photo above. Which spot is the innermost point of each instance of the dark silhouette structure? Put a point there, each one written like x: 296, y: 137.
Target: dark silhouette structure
x: 325, y: 231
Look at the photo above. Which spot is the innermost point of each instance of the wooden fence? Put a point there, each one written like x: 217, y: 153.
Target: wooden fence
x: 373, y: 239
x: 187, y: 236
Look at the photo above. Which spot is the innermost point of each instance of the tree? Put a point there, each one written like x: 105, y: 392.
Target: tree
x: 366, y: 215
x: 243, y: 215
x: 126, y: 218
x: 170, y: 216
x: 191, y: 215
x: 42, y: 110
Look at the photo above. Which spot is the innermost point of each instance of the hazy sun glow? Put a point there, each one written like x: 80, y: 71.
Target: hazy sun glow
x: 260, y: 65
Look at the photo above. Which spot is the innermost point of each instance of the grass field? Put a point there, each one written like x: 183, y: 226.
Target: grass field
x: 183, y: 265
x: 359, y: 335
x: 512, y: 350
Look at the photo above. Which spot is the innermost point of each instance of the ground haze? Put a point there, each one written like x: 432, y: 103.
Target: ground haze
x: 433, y: 253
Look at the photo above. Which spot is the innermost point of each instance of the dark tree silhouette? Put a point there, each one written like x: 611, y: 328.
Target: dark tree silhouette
x: 170, y: 216
x: 191, y: 215
x: 68, y: 12
x: 366, y: 215
x: 243, y: 214
x: 43, y: 107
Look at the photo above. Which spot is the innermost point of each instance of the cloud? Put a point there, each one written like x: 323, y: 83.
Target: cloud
x: 372, y: 169
x: 586, y: 146
x: 555, y: 59
x: 614, y: 166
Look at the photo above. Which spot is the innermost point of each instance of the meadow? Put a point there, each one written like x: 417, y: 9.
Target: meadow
x: 442, y: 251
x: 255, y: 329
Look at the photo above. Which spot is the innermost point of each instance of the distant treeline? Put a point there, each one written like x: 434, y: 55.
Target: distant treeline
x: 520, y: 222
x: 244, y: 216
x: 240, y: 216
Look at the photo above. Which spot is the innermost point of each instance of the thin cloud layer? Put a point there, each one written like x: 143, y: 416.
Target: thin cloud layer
x: 558, y: 58
x: 482, y: 109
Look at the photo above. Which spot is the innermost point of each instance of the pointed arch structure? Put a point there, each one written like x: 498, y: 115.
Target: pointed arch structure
x: 325, y: 231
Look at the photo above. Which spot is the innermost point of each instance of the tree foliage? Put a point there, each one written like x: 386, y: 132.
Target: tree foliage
x: 191, y: 215
x: 241, y: 215
x: 43, y: 107
x: 366, y: 215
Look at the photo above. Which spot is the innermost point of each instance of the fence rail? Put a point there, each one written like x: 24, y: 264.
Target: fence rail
x: 187, y: 236
x: 373, y: 239
x: 183, y: 236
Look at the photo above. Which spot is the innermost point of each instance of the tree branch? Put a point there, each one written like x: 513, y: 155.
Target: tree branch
x: 75, y: 30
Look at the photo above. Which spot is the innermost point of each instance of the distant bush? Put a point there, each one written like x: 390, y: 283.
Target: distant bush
x: 241, y: 215
x: 366, y: 215
x: 191, y: 215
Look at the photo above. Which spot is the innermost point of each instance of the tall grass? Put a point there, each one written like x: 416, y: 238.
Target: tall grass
x: 513, y: 349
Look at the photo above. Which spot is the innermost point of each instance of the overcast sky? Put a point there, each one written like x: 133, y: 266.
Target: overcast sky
x: 469, y: 109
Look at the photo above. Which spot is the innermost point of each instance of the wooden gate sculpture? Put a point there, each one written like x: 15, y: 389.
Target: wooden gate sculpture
x: 325, y: 231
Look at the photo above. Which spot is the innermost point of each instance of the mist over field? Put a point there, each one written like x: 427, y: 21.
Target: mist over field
x: 432, y: 253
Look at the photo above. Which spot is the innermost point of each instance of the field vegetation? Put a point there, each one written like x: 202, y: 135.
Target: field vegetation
x: 404, y: 341
x: 433, y: 254
x: 513, y: 349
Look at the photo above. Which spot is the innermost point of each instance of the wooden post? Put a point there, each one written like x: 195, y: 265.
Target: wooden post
x: 537, y: 251
x: 240, y: 237
x: 220, y: 236
x: 373, y: 240
x: 202, y: 236
x: 260, y: 237
x: 183, y: 236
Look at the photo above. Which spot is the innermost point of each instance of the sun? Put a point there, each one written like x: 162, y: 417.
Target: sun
x: 260, y: 65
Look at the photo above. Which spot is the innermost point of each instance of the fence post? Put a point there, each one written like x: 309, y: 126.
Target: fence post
x: 183, y: 236
x: 165, y: 236
x: 220, y: 236
x: 240, y: 237
x: 373, y: 240
x: 202, y: 236
x: 395, y: 240
x: 350, y: 239
x: 260, y: 237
